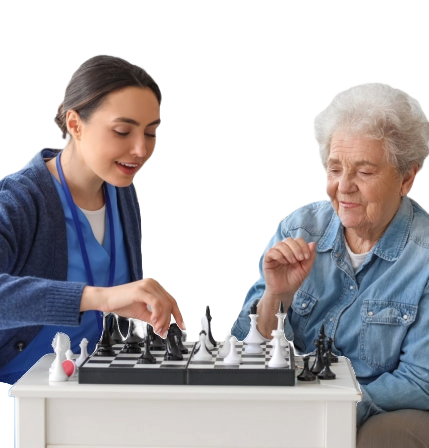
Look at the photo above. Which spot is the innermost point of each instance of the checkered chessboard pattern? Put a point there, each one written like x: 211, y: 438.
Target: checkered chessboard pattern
x: 247, y: 360
x: 125, y: 368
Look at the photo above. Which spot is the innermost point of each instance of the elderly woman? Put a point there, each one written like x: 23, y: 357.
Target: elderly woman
x: 359, y: 264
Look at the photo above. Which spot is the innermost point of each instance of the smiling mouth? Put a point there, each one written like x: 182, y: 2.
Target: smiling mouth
x: 128, y: 165
x: 349, y: 204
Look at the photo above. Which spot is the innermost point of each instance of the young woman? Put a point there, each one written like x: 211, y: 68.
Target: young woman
x: 70, y: 235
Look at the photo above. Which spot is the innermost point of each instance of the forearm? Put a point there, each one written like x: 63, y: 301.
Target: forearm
x: 35, y: 301
x: 267, y: 309
x: 94, y: 298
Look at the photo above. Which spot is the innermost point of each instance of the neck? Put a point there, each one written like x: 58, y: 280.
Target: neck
x: 360, y: 244
x: 85, y: 187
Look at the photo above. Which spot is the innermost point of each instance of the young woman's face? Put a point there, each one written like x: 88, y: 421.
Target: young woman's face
x: 120, y: 135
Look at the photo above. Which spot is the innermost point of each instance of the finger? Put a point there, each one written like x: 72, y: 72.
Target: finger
x: 299, y: 247
x: 284, y: 253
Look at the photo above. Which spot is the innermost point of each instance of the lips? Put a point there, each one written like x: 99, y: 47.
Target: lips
x: 128, y: 168
x: 349, y: 204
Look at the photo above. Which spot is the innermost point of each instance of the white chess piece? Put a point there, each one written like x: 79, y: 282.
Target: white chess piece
x: 83, y: 352
x: 225, y: 347
x: 232, y: 357
x: 202, y: 354
x: 277, y: 358
x: 205, y: 327
x: 60, y: 344
x: 254, y: 339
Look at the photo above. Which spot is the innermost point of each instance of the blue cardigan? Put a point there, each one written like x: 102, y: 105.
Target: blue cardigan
x: 33, y: 255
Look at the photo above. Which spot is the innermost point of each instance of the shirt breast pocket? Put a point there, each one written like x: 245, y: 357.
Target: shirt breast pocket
x: 302, y: 306
x: 384, y: 326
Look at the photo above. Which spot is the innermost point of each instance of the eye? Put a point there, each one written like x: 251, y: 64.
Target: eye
x: 123, y: 134
x: 147, y: 134
x: 333, y: 170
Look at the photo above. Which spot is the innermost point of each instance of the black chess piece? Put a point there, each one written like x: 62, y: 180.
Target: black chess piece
x: 322, y: 334
x: 178, y: 336
x: 331, y: 356
x: 318, y: 362
x: 133, y: 340
x: 156, y: 342
x: 306, y: 374
x: 104, y: 345
x: 172, y: 350
x: 254, y: 307
x: 326, y: 373
x: 209, y: 318
x: 115, y: 333
x: 147, y: 357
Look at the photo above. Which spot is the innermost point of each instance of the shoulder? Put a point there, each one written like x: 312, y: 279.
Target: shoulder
x: 29, y: 188
x: 312, y: 218
x: 419, y: 231
x: 35, y: 171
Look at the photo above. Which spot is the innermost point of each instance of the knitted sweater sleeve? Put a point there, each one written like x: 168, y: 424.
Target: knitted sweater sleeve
x: 33, y: 255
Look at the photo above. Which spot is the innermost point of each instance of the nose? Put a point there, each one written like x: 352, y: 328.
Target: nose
x: 346, y: 183
x: 139, y: 148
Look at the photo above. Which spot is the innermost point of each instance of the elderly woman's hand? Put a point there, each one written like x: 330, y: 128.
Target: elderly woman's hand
x: 286, y: 265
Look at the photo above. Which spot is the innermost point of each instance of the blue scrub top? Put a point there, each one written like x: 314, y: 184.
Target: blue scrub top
x: 99, y: 257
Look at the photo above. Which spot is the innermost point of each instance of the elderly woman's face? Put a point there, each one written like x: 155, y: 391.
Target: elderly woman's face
x: 365, y: 189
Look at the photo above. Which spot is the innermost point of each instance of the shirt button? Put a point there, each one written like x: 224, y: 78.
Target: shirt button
x: 337, y: 255
x: 304, y: 305
x: 352, y: 287
x: 20, y: 346
x: 370, y: 313
x: 405, y: 317
x: 331, y: 319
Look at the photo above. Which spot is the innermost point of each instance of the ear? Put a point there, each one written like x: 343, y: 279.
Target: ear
x: 408, y: 179
x: 73, y: 122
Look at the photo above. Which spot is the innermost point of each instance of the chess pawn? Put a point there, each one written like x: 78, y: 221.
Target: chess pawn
x: 232, y: 357
x: 83, y: 352
x: 326, y: 373
x: 224, y: 350
x: 104, y: 345
x: 318, y: 362
x: 147, y: 357
x: 254, y: 339
x: 306, y: 374
x: 133, y: 339
x: 277, y: 359
x: 115, y: 334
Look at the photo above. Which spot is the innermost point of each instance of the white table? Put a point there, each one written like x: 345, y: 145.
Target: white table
x: 71, y: 415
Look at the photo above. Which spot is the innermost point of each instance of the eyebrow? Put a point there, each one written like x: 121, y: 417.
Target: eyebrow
x: 134, y: 122
x: 358, y: 163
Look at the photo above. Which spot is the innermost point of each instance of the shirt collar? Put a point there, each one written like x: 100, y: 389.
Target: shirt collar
x: 389, y: 246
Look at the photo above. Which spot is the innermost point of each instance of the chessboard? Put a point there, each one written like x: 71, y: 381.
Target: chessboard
x: 253, y: 369
x: 127, y: 368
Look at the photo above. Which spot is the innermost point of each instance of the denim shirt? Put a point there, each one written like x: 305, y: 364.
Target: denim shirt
x: 377, y: 316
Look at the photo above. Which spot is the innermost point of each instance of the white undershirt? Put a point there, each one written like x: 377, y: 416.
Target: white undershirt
x: 356, y: 259
x: 97, y: 220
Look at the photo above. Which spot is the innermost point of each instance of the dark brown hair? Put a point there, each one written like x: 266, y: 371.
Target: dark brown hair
x: 94, y: 80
